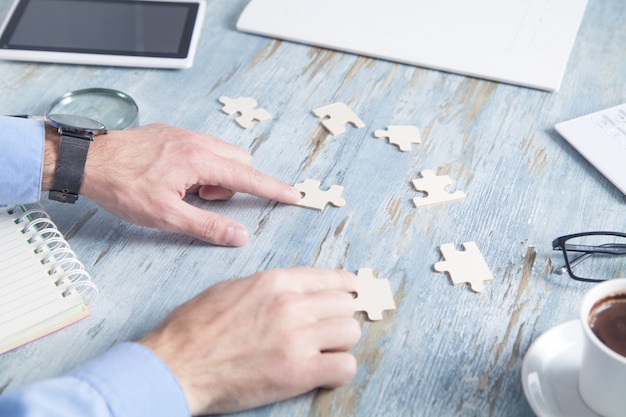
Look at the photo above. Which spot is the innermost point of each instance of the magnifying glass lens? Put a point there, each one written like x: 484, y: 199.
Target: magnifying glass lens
x: 114, y: 109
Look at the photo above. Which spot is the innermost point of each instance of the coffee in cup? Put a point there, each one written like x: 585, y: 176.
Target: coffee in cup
x: 607, y: 320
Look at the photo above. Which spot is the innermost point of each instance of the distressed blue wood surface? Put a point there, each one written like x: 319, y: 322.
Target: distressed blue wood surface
x: 445, y: 351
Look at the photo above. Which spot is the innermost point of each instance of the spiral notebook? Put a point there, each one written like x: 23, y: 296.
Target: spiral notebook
x: 43, y: 285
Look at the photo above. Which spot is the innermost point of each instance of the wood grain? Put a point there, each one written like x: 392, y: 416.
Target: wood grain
x: 445, y: 351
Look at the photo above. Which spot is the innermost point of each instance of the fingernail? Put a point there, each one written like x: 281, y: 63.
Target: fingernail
x: 296, y: 195
x: 236, y: 236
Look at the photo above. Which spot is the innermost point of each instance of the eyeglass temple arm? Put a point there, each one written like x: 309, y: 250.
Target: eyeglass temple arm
x: 608, y: 248
x: 574, y: 262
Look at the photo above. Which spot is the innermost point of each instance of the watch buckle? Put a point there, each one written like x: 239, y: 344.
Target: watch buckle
x: 62, y: 196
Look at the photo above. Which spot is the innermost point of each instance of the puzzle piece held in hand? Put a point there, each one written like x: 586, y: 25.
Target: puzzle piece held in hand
x: 374, y: 295
x: 336, y: 116
x: 316, y: 198
x: 465, y: 266
x: 246, y: 106
x: 402, y: 136
x: 435, y: 188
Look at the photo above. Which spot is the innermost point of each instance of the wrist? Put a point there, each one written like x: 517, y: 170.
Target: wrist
x: 97, y: 173
x: 75, y: 136
x: 154, y: 342
x: 51, y: 155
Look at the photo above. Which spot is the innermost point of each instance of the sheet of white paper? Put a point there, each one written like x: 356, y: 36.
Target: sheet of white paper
x: 524, y: 42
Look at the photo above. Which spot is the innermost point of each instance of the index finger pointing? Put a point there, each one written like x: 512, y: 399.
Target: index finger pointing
x: 243, y: 178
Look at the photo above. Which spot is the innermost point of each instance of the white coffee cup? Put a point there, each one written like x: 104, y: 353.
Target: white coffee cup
x: 602, y: 378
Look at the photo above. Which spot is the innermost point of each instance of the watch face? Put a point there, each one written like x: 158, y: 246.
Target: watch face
x: 74, y: 123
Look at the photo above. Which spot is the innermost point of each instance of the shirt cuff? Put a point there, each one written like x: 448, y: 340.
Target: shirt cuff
x: 134, y: 381
x: 21, y: 160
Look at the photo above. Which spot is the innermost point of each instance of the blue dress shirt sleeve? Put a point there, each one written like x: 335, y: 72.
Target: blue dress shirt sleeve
x: 21, y: 160
x: 128, y: 380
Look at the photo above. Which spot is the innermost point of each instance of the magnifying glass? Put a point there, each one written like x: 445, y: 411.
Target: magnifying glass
x: 112, y: 108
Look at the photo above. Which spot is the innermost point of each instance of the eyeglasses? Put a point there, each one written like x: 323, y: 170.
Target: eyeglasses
x: 593, y: 256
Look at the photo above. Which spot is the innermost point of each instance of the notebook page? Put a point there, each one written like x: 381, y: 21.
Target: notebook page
x: 33, y: 302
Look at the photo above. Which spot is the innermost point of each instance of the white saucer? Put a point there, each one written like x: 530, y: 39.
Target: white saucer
x: 550, y: 373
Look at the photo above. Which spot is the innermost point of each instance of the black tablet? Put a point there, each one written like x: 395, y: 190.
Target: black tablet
x: 138, y: 33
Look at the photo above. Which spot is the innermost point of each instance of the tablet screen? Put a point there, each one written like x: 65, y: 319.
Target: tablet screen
x: 111, y: 27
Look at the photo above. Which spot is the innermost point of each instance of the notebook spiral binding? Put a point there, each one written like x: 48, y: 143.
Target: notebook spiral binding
x: 55, y: 253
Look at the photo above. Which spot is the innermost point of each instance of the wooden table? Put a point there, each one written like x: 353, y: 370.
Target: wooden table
x: 446, y: 350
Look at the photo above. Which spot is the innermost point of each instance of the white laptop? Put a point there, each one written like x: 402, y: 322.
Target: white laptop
x: 523, y: 42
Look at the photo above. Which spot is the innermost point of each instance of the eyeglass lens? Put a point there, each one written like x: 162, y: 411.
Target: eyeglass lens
x: 597, y: 257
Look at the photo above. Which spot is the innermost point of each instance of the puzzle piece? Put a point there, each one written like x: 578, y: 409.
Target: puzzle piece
x: 374, y: 295
x: 435, y: 188
x: 465, y: 266
x: 316, y: 198
x: 402, y: 136
x: 246, y: 106
x: 336, y: 116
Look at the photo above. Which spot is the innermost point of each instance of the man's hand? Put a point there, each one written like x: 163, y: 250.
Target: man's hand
x: 257, y: 340
x: 141, y: 175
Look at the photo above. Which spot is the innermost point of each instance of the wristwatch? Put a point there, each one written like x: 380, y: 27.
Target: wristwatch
x: 77, y: 133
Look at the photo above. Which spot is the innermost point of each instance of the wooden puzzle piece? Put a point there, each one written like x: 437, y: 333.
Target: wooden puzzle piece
x: 402, y: 136
x: 465, y: 266
x: 336, y: 116
x: 374, y: 295
x: 246, y: 107
x: 316, y: 198
x: 435, y: 188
